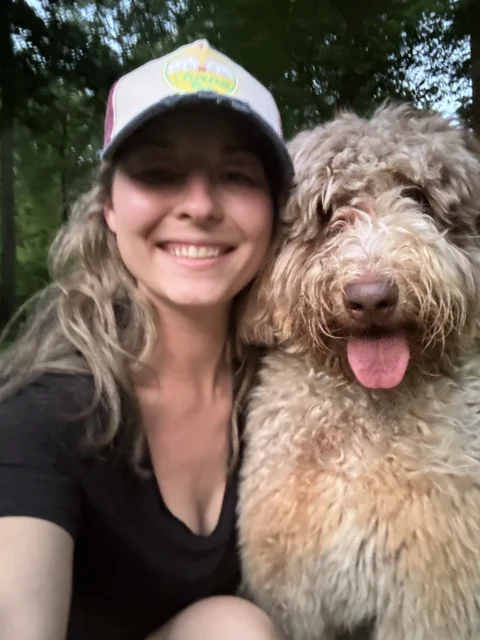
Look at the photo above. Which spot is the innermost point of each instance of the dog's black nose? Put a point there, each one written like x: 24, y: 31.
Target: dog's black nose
x: 373, y: 301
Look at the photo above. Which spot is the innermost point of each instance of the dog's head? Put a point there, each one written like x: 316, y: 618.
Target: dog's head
x: 376, y: 268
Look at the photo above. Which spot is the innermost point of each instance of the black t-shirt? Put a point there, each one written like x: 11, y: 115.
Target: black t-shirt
x: 135, y: 565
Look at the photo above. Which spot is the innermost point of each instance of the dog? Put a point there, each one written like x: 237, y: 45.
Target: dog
x: 359, y: 499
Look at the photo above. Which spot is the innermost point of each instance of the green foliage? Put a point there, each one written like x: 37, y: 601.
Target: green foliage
x: 319, y: 56
x: 316, y: 56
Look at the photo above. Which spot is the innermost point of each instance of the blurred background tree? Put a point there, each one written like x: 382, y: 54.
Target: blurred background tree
x: 58, y: 59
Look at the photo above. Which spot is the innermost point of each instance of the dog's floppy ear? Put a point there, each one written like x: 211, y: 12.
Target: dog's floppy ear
x: 256, y: 321
x: 472, y: 144
x: 265, y: 310
x: 256, y: 312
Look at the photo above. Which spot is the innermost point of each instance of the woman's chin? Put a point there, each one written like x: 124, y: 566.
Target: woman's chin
x: 193, y: 300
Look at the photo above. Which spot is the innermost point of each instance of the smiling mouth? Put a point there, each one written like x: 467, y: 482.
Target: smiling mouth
x: 195, y: 252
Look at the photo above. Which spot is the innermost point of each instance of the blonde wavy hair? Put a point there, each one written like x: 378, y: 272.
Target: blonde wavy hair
x: 93, y: 320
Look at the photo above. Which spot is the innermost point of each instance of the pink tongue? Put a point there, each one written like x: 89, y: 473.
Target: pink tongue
x: 379, y: 363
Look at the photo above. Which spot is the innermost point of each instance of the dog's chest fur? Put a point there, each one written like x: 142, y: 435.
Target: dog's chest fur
x: 360, y: 507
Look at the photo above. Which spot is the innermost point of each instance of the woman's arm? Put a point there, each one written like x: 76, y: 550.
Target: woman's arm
x: 36, y: 559
x: 40, y: 506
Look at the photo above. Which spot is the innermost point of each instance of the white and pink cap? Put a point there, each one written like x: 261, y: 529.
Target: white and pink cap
x: 192, y: 74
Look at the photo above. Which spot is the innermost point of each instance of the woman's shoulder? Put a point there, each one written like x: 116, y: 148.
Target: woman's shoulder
x: 41, y: 430
x: 48, y: 403
x: 54, y: 391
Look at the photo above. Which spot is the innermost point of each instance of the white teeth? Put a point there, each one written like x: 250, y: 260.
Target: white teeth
x: 192, y: 251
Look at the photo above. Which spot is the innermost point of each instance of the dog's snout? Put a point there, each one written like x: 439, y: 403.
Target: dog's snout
x: 371, y: 301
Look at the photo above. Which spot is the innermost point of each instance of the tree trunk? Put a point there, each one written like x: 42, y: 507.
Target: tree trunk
x: 63, y: 168
x: 7, y: 286
x: 475, y: 53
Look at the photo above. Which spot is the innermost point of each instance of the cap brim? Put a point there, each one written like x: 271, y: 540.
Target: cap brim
x: 269, y: 137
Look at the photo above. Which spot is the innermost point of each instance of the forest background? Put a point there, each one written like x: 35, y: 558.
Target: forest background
x: 58, y: 59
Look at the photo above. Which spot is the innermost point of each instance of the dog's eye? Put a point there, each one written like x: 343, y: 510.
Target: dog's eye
x: 418, y: 195
x: 324, y: 214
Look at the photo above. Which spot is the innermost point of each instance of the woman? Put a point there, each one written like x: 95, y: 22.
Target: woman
x: 119, y: 404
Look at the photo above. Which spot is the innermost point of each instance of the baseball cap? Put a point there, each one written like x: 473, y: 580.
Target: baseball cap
x: 195, y: 73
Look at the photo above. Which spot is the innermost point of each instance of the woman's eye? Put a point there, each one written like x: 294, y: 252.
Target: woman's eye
x: 160, y: 176
x: 324, y: 213
x: 239, y: 177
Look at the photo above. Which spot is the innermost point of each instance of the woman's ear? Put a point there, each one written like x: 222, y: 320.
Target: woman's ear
x: 109, y: 215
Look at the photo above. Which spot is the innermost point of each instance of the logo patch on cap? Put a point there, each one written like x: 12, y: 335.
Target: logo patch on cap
x: 197, y: 67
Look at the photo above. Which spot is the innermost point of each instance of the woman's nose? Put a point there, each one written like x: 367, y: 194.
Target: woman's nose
x: 197, y: 197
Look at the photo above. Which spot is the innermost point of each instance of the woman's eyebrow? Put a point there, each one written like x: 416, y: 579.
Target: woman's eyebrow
x: 244, y: 152
x: 236, y: 148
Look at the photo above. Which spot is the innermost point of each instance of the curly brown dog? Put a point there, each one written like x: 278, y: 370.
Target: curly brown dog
x: 360, y: 488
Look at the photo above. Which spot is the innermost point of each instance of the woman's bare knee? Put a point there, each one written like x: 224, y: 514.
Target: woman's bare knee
x: 219, y: 618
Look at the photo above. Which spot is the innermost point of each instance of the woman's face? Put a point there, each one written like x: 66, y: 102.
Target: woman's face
x: 191, y: 210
